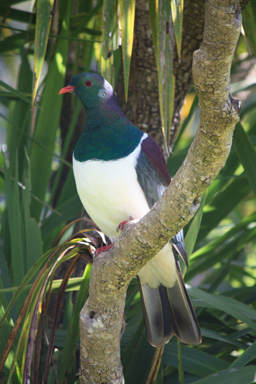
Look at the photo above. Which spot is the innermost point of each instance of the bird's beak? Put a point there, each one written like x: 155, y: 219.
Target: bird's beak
x: 69, y: 88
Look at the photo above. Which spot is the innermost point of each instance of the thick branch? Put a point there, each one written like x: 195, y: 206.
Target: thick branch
x: 102, y: 316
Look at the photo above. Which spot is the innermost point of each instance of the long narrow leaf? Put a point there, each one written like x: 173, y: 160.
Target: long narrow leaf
x: 248, y: 355
x: 127, y: 16
x: 110, y: 40
x: 228, y: 305
x: 195, y: 361
x: 249, y: 25
x: 245, y: 375
x: 73, y: 330
x: 43, y: 23
x: 191, y: 236
x: 48, y: 119
x: 177, y: 7
x: 164, y: 57
x: 246, y: 153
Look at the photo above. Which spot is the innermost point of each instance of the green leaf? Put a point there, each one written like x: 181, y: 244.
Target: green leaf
x: 19, y: 128
x: 191, y: 236
x: 43, y: 24
x: 32, y: 231
x: 246, y: 153
x: 5, y: 330
x: 177, y: 7
x: 245, y: 375
x: 223, y: 204
x: 48, y: 119
x: 73, y: 329
x: 186, y: 121
x: 14, y: 92
x: 110, y: 40
x: 228, y: 305
x: 109, y: 26
x: 161, y: 26
x: 15, y: 225
x: 19, y: 15
x: 166, y: 80
x: 127, y: 15
x: 245, y: 358
x: 196, y: 362
x: 138, y: 368
x: 230, y: 339
x: 217, y: 242
x: 16, y: 41
x: 249, y: 25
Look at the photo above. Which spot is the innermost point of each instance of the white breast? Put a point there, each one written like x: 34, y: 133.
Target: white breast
x: 110, y: 192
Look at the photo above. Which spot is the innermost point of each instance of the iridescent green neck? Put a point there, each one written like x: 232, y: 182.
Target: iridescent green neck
x: 108, y: 135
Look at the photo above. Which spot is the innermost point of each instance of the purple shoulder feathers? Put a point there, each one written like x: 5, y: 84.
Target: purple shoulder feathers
x: 152, y: 150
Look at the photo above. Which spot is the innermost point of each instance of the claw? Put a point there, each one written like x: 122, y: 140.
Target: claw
x: 102, y: 249
x: 120, y: 227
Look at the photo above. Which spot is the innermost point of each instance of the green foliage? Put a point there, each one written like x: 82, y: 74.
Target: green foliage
x: 38, y: 199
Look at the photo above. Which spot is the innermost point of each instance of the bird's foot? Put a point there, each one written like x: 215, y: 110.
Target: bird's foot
x: 120, y: 227
x: 102, y: 249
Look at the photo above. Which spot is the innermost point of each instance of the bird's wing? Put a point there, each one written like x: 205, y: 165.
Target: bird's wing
x: 153, y: 177
x: 152, y: 171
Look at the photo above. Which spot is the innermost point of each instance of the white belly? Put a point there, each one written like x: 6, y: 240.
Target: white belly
x: 110, y: 193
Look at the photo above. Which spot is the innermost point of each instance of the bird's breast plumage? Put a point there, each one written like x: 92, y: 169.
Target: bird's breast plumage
x: 110, y: 191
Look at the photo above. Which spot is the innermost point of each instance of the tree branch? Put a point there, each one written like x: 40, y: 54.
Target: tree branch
x: 102, y: 316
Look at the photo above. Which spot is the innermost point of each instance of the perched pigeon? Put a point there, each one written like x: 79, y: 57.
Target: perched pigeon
x: 120, y: 173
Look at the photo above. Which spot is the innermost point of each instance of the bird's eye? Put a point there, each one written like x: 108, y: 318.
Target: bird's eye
x: 88, y: 83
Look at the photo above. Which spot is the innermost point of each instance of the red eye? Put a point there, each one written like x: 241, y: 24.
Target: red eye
x: 88, y: 83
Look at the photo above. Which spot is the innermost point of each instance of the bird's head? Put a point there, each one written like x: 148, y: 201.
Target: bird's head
x: 91, y: 88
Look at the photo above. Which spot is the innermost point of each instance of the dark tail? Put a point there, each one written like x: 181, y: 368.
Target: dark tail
x: 168, y: 312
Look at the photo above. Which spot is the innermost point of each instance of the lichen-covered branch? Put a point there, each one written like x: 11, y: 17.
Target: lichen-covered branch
x: 102, y: 316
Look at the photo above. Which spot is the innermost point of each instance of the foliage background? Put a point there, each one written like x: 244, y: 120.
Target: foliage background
x: 42, y: 45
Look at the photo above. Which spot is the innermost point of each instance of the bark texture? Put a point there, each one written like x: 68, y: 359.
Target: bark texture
x: 142, y: 107
x: 102, y: 316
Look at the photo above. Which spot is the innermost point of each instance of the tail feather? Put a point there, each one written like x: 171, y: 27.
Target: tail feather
x: 169, y: 311
x: 185, y: 323
x: 157, y: 314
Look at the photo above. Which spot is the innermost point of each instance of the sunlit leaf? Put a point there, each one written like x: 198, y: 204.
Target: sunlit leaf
x: 245, y: 358
x: 177, y: 7
x: 109, y: 39
x: 43, y: 24
x: 127, y: 15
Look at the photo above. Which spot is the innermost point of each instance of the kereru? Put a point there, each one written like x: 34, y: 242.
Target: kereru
x: 120, y: 172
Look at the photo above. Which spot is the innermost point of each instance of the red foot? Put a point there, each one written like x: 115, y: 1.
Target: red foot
x: 120, y: 227
x: 102, y: 249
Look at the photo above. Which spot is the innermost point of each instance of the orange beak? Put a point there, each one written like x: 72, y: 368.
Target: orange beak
x: 69, y: 88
